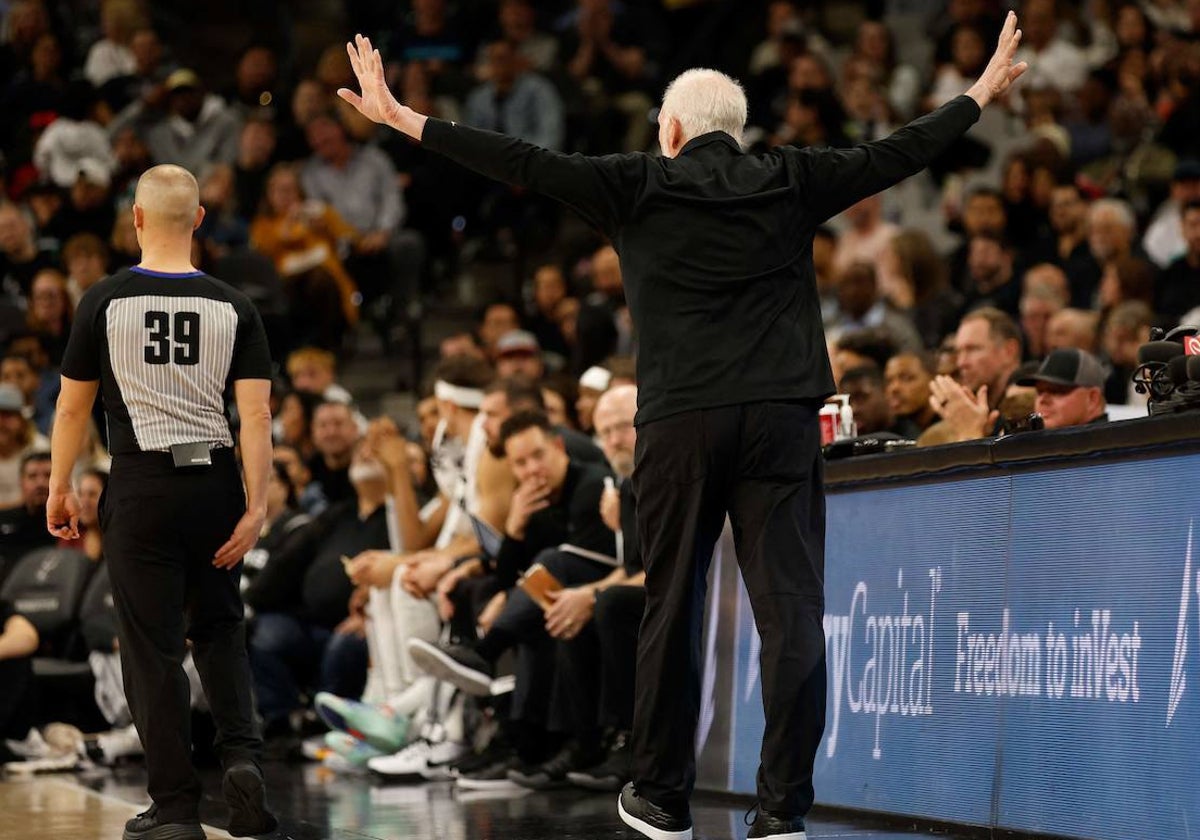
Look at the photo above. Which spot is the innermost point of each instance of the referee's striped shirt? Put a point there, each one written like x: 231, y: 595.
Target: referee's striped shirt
x: 166, y: 349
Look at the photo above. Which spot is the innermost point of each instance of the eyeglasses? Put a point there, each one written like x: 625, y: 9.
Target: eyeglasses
x: 614, y: 429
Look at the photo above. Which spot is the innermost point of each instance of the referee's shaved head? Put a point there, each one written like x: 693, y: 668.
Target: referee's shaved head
x: 169, y: 198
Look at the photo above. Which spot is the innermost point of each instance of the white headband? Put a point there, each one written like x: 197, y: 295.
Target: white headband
x: 461, y: 397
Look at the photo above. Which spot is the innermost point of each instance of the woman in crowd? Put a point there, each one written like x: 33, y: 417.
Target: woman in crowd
x: 304, y: 238
x: 913, y: 277
x: 50, y: 311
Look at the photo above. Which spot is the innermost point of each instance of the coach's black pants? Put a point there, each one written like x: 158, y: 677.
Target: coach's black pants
x: 522, y: 624
x: 761, y: 464
x: 596, y: 669
x: 162, y: 527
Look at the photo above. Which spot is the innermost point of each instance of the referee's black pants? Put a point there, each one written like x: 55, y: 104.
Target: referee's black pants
x: 760, y: 463
x: 162, y: 527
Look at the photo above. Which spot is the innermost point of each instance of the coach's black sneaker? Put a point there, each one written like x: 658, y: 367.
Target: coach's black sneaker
x: 245, y: 795
x: 776, y: 827
x: 491, y: 777
x: 148, y: 826
x: 612, y: 773
x: 552, y: 773
x: 458, y: 665
x: 645, y: 817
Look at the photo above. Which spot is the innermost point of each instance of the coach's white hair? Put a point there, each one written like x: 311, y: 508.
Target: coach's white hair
x: 706, y: 100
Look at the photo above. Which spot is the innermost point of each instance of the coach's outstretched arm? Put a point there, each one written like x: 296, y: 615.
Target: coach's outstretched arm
x: 837, y: 178
x: 592, y: 186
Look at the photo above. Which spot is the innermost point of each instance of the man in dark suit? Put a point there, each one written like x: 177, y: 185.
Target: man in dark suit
x: 715, y: 248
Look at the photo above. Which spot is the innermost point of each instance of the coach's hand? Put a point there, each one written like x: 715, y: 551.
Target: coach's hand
x: 376, y: 102
x: 1000, y: 72
x: 570, y: 611
x: 62, y: 515
x: 245, y: 535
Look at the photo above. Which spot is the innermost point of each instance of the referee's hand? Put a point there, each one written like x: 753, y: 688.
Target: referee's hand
x: 62, y: 515
x: 245, y: 535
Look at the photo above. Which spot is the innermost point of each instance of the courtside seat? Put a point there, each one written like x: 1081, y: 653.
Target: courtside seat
x: 47, y: 587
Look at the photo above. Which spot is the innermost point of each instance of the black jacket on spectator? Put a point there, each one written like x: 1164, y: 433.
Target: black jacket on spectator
x: 574, y: 518
x: 335, y: 484
x: 581, y: 449
x: 1178, y: 290
x: 20, y: 533
x: 718, y: 323
x: 17, y: 278
x: 305, y: 576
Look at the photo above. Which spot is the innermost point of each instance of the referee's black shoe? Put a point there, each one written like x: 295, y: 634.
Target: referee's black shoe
x: 768, y: 826
x: 245, y: 794
x: 148, y: 826
x: 645, y: 817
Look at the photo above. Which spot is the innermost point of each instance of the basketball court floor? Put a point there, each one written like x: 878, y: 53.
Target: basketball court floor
x: 313, y: 804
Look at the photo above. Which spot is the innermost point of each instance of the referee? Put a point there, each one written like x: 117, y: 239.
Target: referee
x: 716, y: 253
x: 164, y: 344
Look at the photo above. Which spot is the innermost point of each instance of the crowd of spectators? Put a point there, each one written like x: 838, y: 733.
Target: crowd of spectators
x: 1018, y: 276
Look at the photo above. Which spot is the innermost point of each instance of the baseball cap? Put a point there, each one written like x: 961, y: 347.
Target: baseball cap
x: 596, y: 378
x: 11, y: 399
x: 1069, y: 366
x: 1187, y: 169
x: 515, y: 342
x: 94, y: 172
x: 183, y: 78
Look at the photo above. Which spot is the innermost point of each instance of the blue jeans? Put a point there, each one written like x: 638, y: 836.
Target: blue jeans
x: 289, y: 656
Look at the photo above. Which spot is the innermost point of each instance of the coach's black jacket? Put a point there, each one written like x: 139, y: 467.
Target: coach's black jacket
x: 716, y: 246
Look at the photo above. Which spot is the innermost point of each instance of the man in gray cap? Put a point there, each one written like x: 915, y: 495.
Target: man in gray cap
x: 518, y: 354
x: 1070, y: 389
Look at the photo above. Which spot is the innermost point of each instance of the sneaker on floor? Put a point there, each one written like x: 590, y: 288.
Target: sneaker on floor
x: 343, y: 750
x: 458, y: 665
x: 64, y: 739
x: 380, y: 726
x: 612, y: 773
x: 494, y: 776
x: 776, y: 827
x: 498, y: 748
x: 314, y: 748
x: 646, y: 818
x: 32, y: 746
x: 245, y: 794
x: 552, y: 773
x: 419, y: 760
x: 108, y: 748
x: 442, y: 756
x: 50, y: 764
x: 147, y: 826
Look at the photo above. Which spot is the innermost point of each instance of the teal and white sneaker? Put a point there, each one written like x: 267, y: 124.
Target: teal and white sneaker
x: 379, y: 725
x: 347, y: 753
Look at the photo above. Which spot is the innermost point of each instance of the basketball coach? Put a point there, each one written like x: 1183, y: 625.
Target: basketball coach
x: 163, y: 344
x: 716, y: 253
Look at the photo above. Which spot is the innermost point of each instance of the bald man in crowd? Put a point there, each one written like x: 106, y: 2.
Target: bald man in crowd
x: 715, y: 249
x: 162, y: 343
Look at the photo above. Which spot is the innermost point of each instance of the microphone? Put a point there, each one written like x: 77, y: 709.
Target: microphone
x: 1151, y: 376
x: 1177, y: 369
x: 1181, y: 332
x: 1193, y: 368
x: 1159, y: 351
